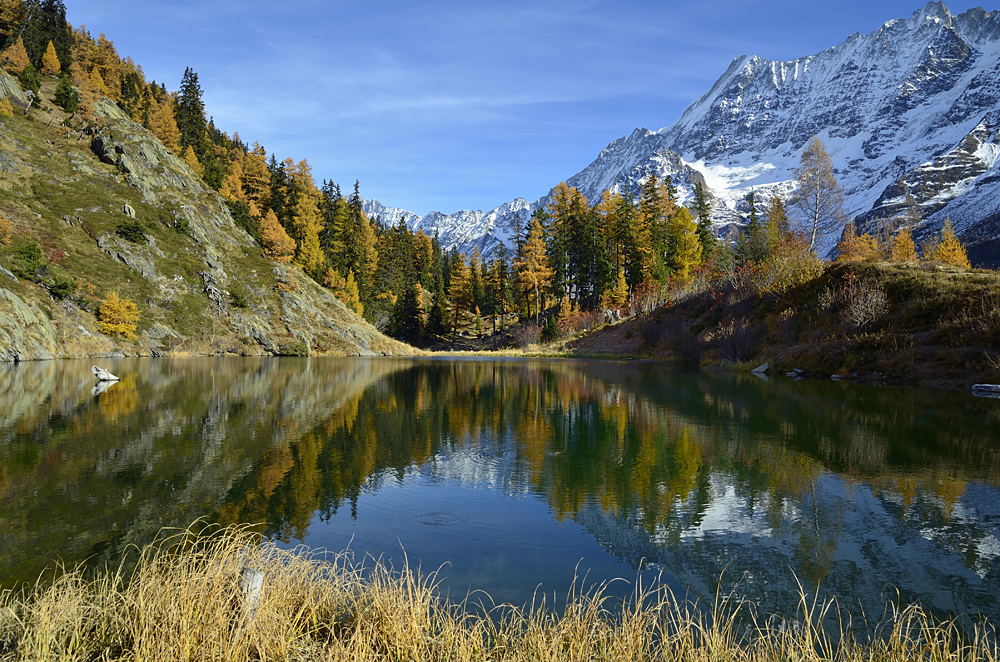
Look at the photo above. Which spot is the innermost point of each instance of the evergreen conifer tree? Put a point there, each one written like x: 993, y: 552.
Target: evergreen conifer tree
x: 706, y: 236
x: 189, y: 113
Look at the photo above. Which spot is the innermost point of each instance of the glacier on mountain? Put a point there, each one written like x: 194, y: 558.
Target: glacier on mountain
x: 912, y: 109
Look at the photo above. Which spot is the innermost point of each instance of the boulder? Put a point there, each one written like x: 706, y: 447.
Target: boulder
x: 103, y: 375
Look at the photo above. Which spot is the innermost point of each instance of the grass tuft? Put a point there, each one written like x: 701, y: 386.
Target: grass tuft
x: 183, y: 601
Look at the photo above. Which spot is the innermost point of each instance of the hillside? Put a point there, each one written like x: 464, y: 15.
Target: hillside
x: 109, y: 208
x: 914, y: 323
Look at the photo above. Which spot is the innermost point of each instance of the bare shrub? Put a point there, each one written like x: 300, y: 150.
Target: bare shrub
x: 864, y: 301
x: 738, y: 340
x: 527, y: 334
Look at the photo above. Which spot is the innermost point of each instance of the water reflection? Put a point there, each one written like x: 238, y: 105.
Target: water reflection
x: 506, y: 468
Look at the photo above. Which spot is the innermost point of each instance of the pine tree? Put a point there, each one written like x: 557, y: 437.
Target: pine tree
x: 189, y: 113
x: 50, y: 61
x: 45, y: 21
x: 408, y: 315
x: 757, y: 239
x: 706, y: 236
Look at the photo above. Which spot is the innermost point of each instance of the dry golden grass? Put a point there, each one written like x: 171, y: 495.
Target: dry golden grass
x: 183, y: 601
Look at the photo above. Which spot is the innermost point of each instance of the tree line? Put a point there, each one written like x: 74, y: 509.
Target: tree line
x: 569, y: 258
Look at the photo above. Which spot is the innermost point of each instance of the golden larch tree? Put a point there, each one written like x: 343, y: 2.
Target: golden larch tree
x: 277, y: 244
x: 50, y: 61
x: 11, y: 19
x: 687, y: 254
x: 460, y: 293
x: 532, y: 266
x: 118, y: 316
x: 15, y: 58
x: 164, y: 126
x: 901, y: 246
x: 109, y: 66
x: 948, y: 249
x: 852, y: 248
x: 191, y: 159
x: 97, y: 85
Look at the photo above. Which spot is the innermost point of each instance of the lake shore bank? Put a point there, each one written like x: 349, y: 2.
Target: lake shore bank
x: 187, y: 598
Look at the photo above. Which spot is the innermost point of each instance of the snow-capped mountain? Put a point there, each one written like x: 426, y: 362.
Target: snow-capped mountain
x: 911, y: 109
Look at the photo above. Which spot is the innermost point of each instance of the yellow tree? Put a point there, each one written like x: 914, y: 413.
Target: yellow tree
x: 11, y: 19
x: 109, y: 66
x: 277, y: 244
x: 257, y: 180
x: 307, y: 220
x: 948, y: 249
x: 901, y: 246
x: 15, y: 58
x: 164, y: 126
x: 191, y: 159
x: 687, y: 253
x: 97, y: 85
x: 852, y: 248
x: 460, y: 293
x: 50, y: 61
x: 118, y: 316
x: 232, y: 185
x: 81, y: 80
x: 532, y: 267
x: 620, y: 294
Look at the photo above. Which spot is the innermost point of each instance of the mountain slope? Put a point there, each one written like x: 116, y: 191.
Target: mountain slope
x: 911, y: 108
x: 201, y: 283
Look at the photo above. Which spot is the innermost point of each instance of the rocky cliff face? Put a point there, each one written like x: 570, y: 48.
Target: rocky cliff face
x: 910, y: 108
x: 201, y: 283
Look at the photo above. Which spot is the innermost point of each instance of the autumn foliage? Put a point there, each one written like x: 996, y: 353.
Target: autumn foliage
x: 118, y: 316
x: 277, y: 244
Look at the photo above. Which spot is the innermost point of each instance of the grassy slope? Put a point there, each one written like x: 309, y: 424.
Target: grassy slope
x: 60, y: 194
x: 940, y: 326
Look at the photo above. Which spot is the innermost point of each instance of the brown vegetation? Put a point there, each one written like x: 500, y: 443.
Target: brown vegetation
x: 184, y: 601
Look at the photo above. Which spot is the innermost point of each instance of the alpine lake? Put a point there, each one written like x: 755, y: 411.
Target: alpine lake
x: 513, y: 479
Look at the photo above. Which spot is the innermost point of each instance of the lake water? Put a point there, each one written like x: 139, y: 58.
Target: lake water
x: 514, y: 476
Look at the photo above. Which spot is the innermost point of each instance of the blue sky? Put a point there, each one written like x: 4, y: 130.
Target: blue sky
x: 446, y: 105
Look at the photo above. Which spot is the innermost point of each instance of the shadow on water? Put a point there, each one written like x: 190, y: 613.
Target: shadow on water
x: 513, y: 475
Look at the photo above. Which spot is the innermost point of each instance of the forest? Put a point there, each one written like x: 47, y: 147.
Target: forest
x: 574, y: 262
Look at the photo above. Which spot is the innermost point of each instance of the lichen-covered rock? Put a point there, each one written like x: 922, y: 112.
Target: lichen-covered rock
x: 25, y: 334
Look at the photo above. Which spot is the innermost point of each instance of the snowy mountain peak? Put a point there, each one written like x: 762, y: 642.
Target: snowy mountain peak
x: 909, y: 110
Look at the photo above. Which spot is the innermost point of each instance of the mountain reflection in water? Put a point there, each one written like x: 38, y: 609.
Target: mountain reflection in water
x: 512, y: 471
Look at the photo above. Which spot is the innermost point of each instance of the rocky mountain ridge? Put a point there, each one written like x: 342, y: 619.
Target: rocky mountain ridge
x: 909, y: 109
x: 201, y: 283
